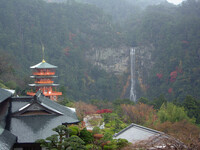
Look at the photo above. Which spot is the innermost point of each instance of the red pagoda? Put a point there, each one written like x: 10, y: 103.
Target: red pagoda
x: 43, y: 73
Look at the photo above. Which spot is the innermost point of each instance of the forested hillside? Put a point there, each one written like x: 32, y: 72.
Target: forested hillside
x: 68, y: 30
x: 174, y: 32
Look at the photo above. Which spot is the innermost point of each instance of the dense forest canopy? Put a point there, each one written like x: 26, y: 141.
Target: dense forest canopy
x: 69, y: 29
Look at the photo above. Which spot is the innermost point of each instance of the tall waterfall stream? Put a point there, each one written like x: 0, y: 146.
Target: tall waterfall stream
x: 133, y: 90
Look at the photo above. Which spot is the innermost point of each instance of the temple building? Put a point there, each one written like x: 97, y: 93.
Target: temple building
x: 43, y: 74
x: 25, y: 119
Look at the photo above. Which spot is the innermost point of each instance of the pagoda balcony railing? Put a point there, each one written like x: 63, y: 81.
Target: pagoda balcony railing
x: 43, y: 73
x: 52, y: 93
x: 44, y: 82
x: 45, y: 93
x: 31, y: 93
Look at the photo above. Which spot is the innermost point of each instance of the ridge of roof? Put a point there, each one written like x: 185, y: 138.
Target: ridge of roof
x: 22, y: 98
x: 55, y: 105
x: 38, y: 100
x: 52, y: 109
x: 47, y: 103
x: 4, y: 94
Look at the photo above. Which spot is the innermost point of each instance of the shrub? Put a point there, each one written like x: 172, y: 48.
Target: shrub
x: 93, y: 147
x: 74, y: 130
x: 86, y: 136
x: 96, y: 130
x: 107, y: 136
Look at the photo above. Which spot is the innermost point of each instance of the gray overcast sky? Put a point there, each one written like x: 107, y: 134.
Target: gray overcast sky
x: 176, y: 2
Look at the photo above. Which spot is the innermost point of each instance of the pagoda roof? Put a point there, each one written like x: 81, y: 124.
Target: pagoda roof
x: 43, y: 65
x: 43, y: 84
x: 30, y: 127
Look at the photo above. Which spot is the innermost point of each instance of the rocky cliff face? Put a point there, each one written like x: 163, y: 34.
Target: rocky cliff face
x: 144, y: 64
x: 117, y: 61
x: 114, y: 60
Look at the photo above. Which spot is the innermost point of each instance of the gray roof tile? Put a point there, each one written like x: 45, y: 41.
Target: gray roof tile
x: 4, y: 95
x: 39, y: 126
x: 7, y: 140
x: 135, y: 133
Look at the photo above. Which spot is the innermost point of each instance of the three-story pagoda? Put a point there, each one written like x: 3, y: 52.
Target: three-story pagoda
x: 43, y: 74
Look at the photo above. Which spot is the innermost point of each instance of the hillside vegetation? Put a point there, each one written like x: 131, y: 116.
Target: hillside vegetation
x: 68, y: 30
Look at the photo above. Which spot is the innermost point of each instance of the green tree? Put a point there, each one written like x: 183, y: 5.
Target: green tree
x: 172, y: 113
x: 107, y: 136
x: 143, y: 100
x: 61, y: 140
x: 2, y: 85
x: 86, y: 136
x: 74, y: 143
x: 116, y: 144
x: 157, y: 102
x: 96, y: 130
x: 192, y: 106
x: 74, y: 130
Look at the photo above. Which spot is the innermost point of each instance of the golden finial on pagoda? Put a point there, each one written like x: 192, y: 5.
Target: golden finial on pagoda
x: 43, y: 53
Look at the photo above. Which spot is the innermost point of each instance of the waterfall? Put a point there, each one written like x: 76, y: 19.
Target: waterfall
x: 132, y: 91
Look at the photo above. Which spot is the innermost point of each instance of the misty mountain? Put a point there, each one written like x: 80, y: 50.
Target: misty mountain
x: 120, y: 10
x: 71, y: 29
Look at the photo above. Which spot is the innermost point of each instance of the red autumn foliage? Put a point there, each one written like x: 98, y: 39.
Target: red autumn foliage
x: 184, y: 131
x: 139, y: 114
x: 159, y: 75
x: 170, y: 90
x: 103, y: 111
x: 173, y: 76
x: 126, y: 86
x: 71, y: 35
x: 179, y: 70
x: 83, y: 109
x: 98, y: 136
x: 67, y: 49
x: 86, y: 75
x: 185, y: 42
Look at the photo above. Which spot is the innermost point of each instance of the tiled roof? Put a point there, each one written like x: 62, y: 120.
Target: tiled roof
x: 135, y: 133
x: 30, y: 128
x: 42, y: 65
x: 19, y: 102
x: 7, y: 140
x: 4, y: 94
